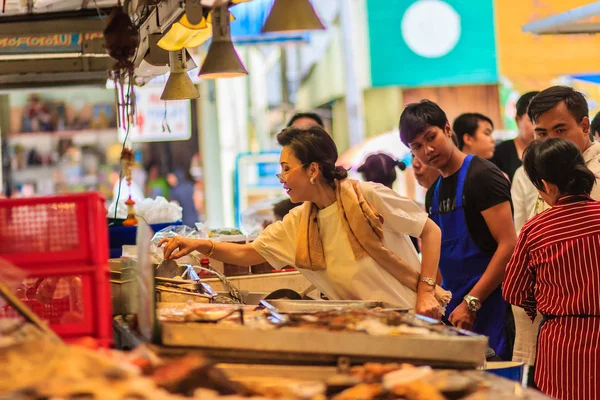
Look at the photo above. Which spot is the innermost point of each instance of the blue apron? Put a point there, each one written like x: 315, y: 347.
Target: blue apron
x: 462, y: 263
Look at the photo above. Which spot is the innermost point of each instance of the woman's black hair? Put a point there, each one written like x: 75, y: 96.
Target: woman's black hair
x: 314, y: 145
x: 282, y: 208
x: 310, y: 115
x: 558, y: 161
x: 380, y: 168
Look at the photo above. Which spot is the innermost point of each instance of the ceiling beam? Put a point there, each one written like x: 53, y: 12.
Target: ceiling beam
x: 566, y: 22
x: 572, y: 29
x: 55, y: 65
x: 49, y: 27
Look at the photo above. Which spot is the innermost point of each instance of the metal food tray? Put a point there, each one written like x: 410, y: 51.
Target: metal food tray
x: 310, y: 306
x: 497, y: 387
x: 292, y: 345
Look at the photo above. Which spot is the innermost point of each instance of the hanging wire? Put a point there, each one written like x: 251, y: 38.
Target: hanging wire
x: 165, y: 123
x: 128, y: 124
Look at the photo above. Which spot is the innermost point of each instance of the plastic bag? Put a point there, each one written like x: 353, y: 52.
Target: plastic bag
x: 157, y: 253
x: 12, y: 277
x: 259, y: 215
x: 153, y: 211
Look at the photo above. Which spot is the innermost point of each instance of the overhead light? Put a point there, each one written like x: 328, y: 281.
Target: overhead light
x: 292, y: 16
x: 179, y: 86
x: 222, y: 61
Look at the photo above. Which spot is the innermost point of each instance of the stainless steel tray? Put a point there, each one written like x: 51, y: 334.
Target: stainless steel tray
x: 498, y: 388
x: 308, y: 306
x: 325, y: 346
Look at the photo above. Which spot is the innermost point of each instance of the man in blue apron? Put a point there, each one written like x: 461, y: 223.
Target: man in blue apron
x: 471, y: 204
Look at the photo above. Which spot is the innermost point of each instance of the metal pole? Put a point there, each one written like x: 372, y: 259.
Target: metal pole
x: 354, y: 96
x: 553, y: 23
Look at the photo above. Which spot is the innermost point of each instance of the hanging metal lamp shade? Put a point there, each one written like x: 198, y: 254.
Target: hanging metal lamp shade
x: 222, y: 61
x: 179, y: 86
x: 292, y: 16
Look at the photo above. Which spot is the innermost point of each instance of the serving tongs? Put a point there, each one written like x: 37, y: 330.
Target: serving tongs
x: 275, y: 316
x: 27, y: 314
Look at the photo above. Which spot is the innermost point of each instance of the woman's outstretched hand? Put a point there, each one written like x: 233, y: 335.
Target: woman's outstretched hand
x: 184, y: 246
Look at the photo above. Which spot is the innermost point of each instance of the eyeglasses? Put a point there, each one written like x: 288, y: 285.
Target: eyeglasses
x: 281, y: 175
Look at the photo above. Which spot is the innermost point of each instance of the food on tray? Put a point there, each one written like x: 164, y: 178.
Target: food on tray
x: 364, y: 391
x: 453, y: 384
x: 405, y: 376
x: 213, y: 313
x: 225, y: 232
x: 374, y: 372
x: 284, y: 388
x: 185, y: 374
x: 417, y: 390
x: 377, y: 322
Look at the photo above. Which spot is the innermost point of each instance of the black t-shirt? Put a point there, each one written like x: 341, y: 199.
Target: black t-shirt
x: 485, y: 187
x: 506, y: 158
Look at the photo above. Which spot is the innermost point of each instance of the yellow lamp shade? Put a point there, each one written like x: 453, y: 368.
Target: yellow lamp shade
x: 180, y: 36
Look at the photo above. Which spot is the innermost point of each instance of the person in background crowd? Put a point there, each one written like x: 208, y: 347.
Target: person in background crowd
x: 156, y: 185
x: 282, y: 208
x: 562, y: 112
x: 596, y: 127
x: 305, y: 120
x: 348, y: 238
x: 508, y: 156
x: 555, y: 271
x: 474, y: 134
x: 380, y: 168
x: 509, y: 153
x: 182, y: 191
x: 424, y: 174
x: 470, y: 202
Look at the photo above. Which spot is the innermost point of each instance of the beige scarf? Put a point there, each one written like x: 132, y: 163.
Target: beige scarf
x: 364, y: 227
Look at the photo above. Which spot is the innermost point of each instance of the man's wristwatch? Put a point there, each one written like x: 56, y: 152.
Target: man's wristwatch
x: 429, y: 281
x: 473, y: 303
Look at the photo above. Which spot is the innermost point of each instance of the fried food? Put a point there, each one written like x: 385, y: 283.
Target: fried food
x: 364, y: 391
x: 418, y: 390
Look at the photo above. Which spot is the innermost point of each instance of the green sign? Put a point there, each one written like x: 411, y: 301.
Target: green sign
x: 432, y: 42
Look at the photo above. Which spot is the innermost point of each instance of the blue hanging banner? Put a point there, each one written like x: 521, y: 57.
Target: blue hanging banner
x: 59, y: 43
x: 250, y: 18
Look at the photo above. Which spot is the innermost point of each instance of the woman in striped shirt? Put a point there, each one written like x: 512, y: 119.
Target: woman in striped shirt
x: 555, y: 269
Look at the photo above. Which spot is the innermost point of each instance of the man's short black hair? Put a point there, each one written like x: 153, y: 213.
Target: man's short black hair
x: 549, y: 98
x: 282, y: 208
x: 523, y: 103
x: 309, y: 115
x: 417, y: 117
x: 468, y: 123
x: 595, y: 127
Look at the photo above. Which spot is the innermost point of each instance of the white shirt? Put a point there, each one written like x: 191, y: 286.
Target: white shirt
x: 524, y: 196
x: 346, y: 278
x: 592, y: 159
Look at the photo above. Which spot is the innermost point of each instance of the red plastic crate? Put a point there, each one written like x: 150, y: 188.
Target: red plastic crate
x: 55, y: 229
x: 62, y: 243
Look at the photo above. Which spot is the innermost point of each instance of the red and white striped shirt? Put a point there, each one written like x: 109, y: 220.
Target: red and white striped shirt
x: 555, y: 269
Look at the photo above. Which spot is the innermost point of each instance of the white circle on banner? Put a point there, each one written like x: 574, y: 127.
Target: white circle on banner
x: 431, y: 28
